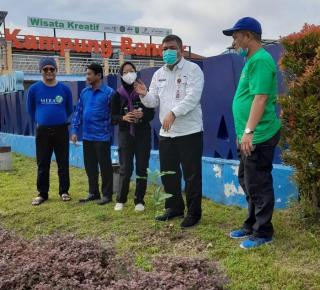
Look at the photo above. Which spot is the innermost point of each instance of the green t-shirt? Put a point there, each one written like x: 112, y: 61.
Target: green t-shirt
x: 258, y: 77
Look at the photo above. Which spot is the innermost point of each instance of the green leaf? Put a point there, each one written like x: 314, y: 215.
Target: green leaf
x: 156, y: 194
x: 163, y: 196
x: 163, y: 173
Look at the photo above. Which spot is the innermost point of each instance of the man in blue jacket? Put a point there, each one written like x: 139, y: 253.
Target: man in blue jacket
x: 94, y: 115
x: 49, y: 103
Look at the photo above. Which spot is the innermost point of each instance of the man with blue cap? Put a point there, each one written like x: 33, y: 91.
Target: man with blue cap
x: 49, y: 104
x: 258, y: 131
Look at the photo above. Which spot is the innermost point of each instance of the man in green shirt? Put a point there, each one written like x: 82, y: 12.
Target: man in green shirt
x: 258, y: 131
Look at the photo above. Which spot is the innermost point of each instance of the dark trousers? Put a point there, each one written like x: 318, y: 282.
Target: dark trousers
x: 256, y: 180
x: 97, y: 154
x: 48, y: 140
x: 185, y: 151
x: 137, y: 146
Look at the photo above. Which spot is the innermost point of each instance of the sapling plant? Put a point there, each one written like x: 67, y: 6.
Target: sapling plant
x: 158, y: 194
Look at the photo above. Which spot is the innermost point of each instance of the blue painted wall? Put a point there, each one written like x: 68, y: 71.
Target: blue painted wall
x: 220, y: 182
x: 221, y: 77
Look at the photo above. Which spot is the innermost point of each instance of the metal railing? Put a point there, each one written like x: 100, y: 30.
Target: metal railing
x: 26, y: 63
x: 30, y: 64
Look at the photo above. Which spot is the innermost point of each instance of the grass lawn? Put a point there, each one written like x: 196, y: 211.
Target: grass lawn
x: 291, y: 262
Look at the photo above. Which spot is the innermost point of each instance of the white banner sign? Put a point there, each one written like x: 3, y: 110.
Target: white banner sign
x: 96, y: 27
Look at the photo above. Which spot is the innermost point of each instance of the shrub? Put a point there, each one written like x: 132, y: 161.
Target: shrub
x: 301, y: 112
x: 64, y: 262
x: 176, y: 273
x: 54, y: 262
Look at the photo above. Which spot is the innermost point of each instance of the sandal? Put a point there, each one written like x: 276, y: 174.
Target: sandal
x: 38, y: 200
x: 65, y: 197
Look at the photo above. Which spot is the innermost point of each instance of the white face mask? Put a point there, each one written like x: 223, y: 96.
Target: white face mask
x: 129, y: 77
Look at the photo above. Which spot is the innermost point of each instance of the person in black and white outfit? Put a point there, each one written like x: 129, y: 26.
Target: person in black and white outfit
x: 134, y: 138
x: 176, y: 88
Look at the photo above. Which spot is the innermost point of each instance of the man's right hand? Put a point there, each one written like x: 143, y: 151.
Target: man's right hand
x: 140, y: 88
x: 74, y: 138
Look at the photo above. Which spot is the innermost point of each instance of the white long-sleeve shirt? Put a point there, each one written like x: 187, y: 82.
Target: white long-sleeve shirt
x: 178, y: 91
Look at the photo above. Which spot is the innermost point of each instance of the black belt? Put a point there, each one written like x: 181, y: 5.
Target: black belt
x: 53, y: 126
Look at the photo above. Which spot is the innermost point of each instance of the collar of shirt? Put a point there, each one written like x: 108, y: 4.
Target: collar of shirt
x: 103, y: 88
x: 179, y: 65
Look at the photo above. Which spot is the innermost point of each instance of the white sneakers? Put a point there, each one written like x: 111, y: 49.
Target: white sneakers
x: 139, y: 207
x: 119, y: 206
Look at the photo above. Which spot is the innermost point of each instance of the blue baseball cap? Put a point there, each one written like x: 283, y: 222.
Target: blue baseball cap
x: 246, y: 23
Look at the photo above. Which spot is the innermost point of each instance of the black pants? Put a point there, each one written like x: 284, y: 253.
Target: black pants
x: 137, y: 146
x: 185, y: 151
x: 97, y: 154
x: 256, y: 180
x: 48, y: 140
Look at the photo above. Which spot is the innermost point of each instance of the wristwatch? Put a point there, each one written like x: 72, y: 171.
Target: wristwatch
x: 248, y: 131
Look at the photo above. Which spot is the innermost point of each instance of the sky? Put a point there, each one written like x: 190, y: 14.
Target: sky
x: 198, y: 22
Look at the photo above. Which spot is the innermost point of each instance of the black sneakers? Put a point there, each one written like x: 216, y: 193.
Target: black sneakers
x: 168, y: 215
x: 89, y: 198
x: 189, y: 221
x: 104, y: 200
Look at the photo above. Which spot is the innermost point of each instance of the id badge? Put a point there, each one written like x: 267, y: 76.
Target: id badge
x: 178, y: 88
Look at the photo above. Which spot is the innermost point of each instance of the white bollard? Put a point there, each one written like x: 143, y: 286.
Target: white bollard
x: 5, y: 158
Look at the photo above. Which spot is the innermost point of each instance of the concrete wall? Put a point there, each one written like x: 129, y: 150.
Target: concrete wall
x: 220, y: 182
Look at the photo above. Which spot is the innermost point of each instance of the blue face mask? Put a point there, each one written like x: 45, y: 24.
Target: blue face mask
x: 243, y: 52
x: 170, y: 56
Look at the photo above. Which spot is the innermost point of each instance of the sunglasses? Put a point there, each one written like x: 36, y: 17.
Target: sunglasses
x: 47, y: 69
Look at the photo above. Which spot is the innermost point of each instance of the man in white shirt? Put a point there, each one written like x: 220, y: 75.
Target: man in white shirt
x: 176, y: 88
